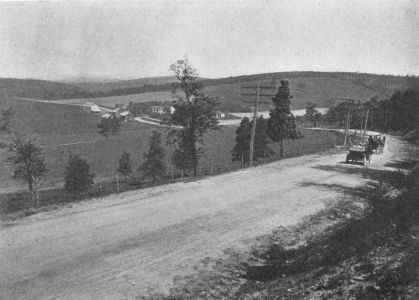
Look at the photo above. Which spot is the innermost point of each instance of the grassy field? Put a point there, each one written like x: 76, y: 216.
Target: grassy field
x: 50, y: 118
x: 103, y: 153
x: 315, y: 89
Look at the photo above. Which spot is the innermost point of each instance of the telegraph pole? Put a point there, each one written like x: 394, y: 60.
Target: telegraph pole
x: 347, y: 126
x: 366, y: 121
x: 258, y: 94
x: 352, y: 104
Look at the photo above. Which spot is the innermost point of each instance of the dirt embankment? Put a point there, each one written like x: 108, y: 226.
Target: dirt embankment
x: 149, y: 241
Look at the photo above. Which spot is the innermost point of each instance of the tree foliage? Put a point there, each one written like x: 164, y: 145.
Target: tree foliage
x: 400, y: 111
x: 154, y: 167
x: 125, y: 164
x: 312, y: 114
x: 194, y: 115
x: 281, y: 124
x: 77, y: 175
x: 241, y: 148
x: 110, y: 125
x: 31, y: 165
x: 6, y: 123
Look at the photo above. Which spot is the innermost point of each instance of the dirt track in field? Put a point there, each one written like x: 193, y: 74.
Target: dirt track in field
x: 135, y: 243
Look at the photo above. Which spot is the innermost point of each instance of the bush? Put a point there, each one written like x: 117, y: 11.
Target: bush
x: 77, y: 174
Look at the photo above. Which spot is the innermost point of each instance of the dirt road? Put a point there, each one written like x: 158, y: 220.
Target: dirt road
x: 135, y: 243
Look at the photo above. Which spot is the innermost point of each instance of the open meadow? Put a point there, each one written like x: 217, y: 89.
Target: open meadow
x: 103, y: 153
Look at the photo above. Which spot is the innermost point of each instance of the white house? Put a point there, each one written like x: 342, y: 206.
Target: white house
x: 157, y: 109
x: 160, y: 109
x: 220, y: 114
x: 95, y: 109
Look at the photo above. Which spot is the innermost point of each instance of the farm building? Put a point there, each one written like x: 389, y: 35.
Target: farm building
x: 93, y: 107
x: 107, y: 116
x: 159, y: 109
x: 220, y: 114
x: 124, y: 115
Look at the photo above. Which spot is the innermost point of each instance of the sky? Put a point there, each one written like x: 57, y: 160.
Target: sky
x: 131, y: 39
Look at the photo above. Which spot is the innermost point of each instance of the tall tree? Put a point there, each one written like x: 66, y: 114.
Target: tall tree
x: 6, y: 120
x: 125, y: 164
x: 110, y: 125
x: 31, y: 165
x: 281, y: 124
x: 194, y: 115
x: 77, y: 175
x: 312, y: 114
x: 241, y: 148
x: 154, y: 166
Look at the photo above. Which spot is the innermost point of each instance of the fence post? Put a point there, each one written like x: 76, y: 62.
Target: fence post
x: 171, y: 168
x: 117, y: 183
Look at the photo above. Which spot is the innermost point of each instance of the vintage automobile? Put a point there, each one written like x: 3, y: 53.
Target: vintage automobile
x: 357, y: 154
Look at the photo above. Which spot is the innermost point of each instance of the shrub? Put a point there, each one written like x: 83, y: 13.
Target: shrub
x: 77, y: 174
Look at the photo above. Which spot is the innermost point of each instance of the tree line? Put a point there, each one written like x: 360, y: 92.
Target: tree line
x: 31, y: 166
x: 399, y: 112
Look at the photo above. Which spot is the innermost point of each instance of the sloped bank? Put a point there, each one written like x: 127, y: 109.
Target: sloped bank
x: 365, y: 247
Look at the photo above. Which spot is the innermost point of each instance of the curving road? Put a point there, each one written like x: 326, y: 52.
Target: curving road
x: 135, y: 243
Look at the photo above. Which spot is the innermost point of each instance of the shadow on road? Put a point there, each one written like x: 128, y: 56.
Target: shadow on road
x: 361, y: 246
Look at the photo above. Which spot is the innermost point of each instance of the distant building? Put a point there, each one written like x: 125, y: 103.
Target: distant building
x: 124, y: 115
x: 159, y: 109
x: 220, y: 114
x: 106, y: 116
x: 93, y: 107
x: 89, y: 104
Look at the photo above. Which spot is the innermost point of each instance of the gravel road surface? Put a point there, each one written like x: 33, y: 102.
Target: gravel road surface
x: 135, y: 243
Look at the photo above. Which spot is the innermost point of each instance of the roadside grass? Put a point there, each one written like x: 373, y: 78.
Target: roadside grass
x: 365, y: 246
x: 103, y: 155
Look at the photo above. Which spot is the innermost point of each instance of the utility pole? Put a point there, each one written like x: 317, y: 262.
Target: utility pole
x: 347, y: 127
x: 365, y: 126
x: 258, y: 94
x: 352, y: 104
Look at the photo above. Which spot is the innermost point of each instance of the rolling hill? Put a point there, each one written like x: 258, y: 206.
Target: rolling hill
x: 319, y: 87
x: 40, y: 89
x: 107, y: 86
